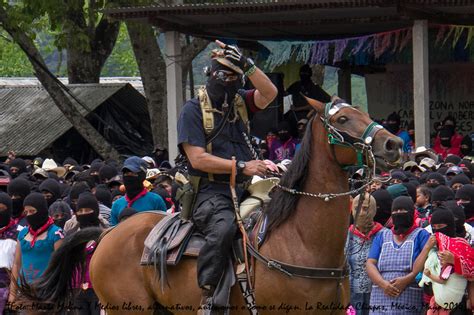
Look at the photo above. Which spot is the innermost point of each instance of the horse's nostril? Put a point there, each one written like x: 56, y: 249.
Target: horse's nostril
x: 392, y: 145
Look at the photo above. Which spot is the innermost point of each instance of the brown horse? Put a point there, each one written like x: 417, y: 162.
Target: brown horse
x: 303, y: 231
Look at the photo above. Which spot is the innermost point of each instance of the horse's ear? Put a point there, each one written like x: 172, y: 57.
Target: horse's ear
x: 317, y: 105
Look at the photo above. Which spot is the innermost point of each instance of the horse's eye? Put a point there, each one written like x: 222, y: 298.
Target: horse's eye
x: 342, y: 119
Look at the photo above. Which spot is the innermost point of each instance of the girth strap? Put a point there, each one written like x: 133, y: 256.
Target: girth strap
x: 300, y: 271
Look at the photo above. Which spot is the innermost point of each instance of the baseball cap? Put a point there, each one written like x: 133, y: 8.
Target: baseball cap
x: 135, y: 164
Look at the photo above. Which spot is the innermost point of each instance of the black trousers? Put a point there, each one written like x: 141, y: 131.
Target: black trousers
x: 86, y: 302
x: 214, y: 217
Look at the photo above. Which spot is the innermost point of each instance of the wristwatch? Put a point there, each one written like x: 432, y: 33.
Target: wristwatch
x: 240, y: 167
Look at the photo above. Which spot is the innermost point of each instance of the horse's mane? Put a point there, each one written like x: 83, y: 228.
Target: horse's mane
x: 282, y: 204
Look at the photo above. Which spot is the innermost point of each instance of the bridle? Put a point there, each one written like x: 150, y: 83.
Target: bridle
x: 361, y: 145
x: 363, y: 148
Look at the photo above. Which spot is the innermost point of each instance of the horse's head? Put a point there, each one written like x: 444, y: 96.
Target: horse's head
x: 354, y: 131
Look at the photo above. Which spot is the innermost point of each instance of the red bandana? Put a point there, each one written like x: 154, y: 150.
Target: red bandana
x: 9, y: 225
x: 39, y: 231
x: 462, y: 251
x: 17, y: 220
x: 131, y: 201
x: 377, y: 227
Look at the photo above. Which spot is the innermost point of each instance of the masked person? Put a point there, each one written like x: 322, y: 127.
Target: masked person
x: 17, y: 168
x: 361, y: 235
x: 393, y: 123
x: 465, y: 198
x: 61, y: 212
x: 136, y: 196
x: 448, y: 141
x: 392, y: 265
x: 18, y: 189
x: 300, y: 108
x: 463, y: 229
x: 210, y: 165
x: 51, y: 190
x: 35, y: 243
x: 8, y: 235
x: 435, y: 179
x: 284, y: 147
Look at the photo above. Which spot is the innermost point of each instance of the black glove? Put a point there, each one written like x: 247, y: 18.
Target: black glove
x: 233, y: 54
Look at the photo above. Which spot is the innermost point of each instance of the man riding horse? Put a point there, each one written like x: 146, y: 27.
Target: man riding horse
x: 212, y: 129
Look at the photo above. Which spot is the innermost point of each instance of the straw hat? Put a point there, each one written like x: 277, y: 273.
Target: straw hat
x: 50, y: 166
x: 258, y: 195
x: 422, y: 152
x: 152, y: 173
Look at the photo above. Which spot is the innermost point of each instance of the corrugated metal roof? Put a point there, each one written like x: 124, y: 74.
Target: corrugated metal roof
x: 297, y: 19
x: 30, y: 121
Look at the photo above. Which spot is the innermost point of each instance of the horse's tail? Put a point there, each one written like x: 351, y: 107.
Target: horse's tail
x: 65, y: 267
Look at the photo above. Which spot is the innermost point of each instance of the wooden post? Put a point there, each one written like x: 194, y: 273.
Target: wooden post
x: 421, y: 83
x: 174, y: 89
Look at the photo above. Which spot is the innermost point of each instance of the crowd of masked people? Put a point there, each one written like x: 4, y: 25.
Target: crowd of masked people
x: 410, y: 245
x: 41, y: 202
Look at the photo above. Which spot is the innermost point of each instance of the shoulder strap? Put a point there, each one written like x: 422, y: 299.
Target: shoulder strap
x: 206, y: 109
x: 239, y: 102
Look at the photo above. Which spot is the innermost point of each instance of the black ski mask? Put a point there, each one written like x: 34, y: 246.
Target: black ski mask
x: 444, y: 216
x: 20, y: 188
x: 466, y: 192
x: 134, y: 184
x: 5, y: 215
x: 459, y: 217
x: 37, y: 220
x: 393, y: 123
x: 220, y: 87
x: 445, y: 135
x: 88, y: 200
x: 402, y: 222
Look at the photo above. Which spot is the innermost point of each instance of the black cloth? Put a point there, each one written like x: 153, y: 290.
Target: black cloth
x: 383, y: 201
x: 444, y: 216
x: 230, y: 142
x: 104, y: 196
x: 37, y: 201
x: 309, y: 89
x: 214, y: 217
x: 442, y: 193
x: 5, y: 215
x: 52, y: 186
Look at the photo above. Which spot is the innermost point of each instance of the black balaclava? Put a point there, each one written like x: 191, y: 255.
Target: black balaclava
x: 70, y: 161
x: 402, y: 222
x: 217, y: 89
x: 438, y: 177
x: 284, y: 131
x: 60, y: 206
x: 466, y: 145
x: 20, y: 187
x: 20, y: 164
x: 107, y: 172
x: 444, y: 216
x: 305, y: 73
x: 460, y: 179
x: 459, y: 217
x: 411, y: 190
x: 442, y: 194
x: 445, y: 135
x: 450, y: 126
x: 466, y: 192
x: 94, y: 171
x: 5, y: 216
x: 104, y: 196
x: 399, y: 174
x: 395, y: 126
x: 76, y: 190
x: 87, y: 200
x: 134, y: 184
x: 384, y: 205
x: 52, y: 186
x: 37, y: 201
x: 454, y: 159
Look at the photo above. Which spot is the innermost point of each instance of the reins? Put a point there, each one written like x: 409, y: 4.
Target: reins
x: 363, y: 148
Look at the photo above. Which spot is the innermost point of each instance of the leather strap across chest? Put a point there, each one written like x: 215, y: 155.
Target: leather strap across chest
x: 299, y: 271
